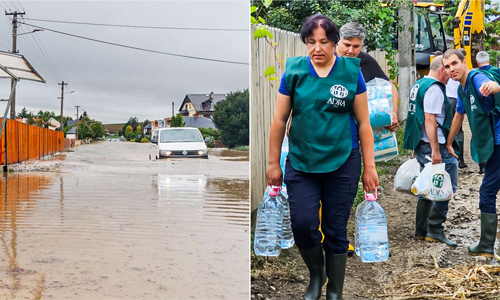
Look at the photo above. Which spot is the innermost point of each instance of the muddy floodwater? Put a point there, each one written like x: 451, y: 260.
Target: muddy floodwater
x: 111, y: 224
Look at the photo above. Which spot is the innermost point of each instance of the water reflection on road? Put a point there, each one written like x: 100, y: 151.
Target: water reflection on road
x: 84, y: 236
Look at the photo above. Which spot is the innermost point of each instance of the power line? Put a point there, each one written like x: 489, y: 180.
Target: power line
x: 139, y: 26
x: 137, y: 48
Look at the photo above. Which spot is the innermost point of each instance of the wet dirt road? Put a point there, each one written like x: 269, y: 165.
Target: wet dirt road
x: 110, y: 224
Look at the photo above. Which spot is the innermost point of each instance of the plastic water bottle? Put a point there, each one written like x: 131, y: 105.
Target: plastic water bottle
x: 269, y: 225
x: 371, y: 240
x: 287, y: 240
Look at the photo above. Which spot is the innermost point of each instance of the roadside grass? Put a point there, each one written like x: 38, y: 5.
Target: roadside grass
x: 286, y: 266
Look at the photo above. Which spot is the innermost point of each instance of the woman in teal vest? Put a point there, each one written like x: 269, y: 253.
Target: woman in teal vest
x: 325, y: 93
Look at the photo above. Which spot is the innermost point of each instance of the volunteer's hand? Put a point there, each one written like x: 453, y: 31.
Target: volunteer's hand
x: 274, y: 175
x: 486, y: 88
x: 394, y: 123
x: 451, y: 150
x: 370, y: 179
x: 436, y: 157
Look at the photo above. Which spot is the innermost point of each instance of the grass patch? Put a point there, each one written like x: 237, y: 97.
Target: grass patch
x: 234, y: 153
x: 285, y: 266
x: 242, y: 148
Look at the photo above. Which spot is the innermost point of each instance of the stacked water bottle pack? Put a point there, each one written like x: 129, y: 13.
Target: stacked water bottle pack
x: 371, y: 242
x: 273, y: 230
x: 379, y: 93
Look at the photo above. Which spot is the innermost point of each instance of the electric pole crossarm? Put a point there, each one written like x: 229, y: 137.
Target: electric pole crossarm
x: 4, y: 119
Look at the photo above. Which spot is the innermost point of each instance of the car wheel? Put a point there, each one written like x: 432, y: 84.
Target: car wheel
x: 149, y: 156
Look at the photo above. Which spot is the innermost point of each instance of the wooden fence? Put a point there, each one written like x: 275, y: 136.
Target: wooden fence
x: 263, y: 95
x: 27, y: 142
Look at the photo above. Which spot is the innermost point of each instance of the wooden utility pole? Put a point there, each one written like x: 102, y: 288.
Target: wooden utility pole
x: 14, y: 50
x: 62, y: 84
x: 77, y: 106
x: 407, y: 67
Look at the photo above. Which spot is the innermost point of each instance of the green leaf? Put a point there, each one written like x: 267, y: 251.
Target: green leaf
x: 267, y: 3
x: 253, y: 21
x: 269, y: 71
x: 262, y: 20
x: 253, y: 9
x: 259, y: 33
x: 272, y: 78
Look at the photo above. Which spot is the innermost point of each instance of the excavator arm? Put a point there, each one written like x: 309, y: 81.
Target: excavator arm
x: 468, y: 26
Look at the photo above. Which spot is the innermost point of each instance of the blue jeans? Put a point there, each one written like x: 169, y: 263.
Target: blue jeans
x: 491, y: 183
x: 451, y: 166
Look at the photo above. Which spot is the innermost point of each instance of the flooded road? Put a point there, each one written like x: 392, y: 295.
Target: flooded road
x: 120, y: 226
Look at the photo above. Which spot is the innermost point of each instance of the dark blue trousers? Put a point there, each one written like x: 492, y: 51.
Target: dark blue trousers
x: 336, y: 190
x: 491, y: 183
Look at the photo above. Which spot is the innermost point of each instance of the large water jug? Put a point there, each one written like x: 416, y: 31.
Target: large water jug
x: 267, y: 241
x: 371, y: 240
x: 287, y: 240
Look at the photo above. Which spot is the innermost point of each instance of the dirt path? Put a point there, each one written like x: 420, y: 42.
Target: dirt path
x: 368, y: 281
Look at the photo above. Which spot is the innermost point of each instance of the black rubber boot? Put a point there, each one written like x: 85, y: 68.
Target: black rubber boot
x: 481, y: 168
x: 461, y: 162
x: 489, y: 224
x: 423, y: 211
x: 435, y: 231
x: 335, y: 270
x: 315, y: 262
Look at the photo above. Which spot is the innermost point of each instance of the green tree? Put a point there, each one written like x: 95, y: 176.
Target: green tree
x: 138, y: 130
x: 177, y: 121
x: 380, y: 20
x: 231, y: 117
x: 23, y: 114
x: 128, y: 130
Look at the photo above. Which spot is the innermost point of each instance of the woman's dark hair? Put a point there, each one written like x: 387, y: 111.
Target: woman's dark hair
x: 318, y: 20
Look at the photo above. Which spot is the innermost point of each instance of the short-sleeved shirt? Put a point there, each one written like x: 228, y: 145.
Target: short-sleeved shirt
x: 361, y: 88
x: 487, y: 103
x: 452, y: 88
x: 433, y: 104
x: 370, y: 67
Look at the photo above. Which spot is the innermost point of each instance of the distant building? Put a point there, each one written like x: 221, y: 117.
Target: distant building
x: 71, y: 134
x: 198, y: 122
x: 200, y: 105
x: 53, y: 124
x: 147, y: 129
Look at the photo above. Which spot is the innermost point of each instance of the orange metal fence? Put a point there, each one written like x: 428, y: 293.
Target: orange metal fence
x: 23, y: 142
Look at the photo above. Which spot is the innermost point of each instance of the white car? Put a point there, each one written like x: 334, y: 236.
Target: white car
x: 177, y: 142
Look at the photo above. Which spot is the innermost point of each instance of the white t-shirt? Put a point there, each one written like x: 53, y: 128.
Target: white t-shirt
x: 452, y: 88
x: 434, y: 104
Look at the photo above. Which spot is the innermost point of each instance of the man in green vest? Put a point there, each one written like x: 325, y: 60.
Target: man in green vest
x: 479, y: 97
x: 483, y: 62
x: 427, y: 126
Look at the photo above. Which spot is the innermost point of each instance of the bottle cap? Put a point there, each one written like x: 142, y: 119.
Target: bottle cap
x: 273, y: 190
x: 370, y: 196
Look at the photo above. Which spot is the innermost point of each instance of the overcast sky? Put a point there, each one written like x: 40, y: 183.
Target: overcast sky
x: 113, y: 83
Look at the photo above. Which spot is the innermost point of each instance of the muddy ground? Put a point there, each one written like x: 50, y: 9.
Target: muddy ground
x: 288, y: 278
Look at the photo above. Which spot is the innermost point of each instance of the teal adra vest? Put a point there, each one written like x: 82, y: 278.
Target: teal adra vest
x: 494, y: 72
x: 416, y: 115
x: 320, y: 136
x: 481, y: 123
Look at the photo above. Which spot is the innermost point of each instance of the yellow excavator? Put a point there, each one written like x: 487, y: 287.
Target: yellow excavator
x: 468, y: 26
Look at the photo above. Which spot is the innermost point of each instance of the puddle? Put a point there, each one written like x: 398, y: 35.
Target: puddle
x: 87, y: 236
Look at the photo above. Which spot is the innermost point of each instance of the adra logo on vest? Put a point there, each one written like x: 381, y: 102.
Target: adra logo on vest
x: 472, y: 105
x: 413, y: 96
x: 338, y: 91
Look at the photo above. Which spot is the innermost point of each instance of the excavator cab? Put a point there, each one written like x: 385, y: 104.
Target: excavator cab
x: 429, y: 34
